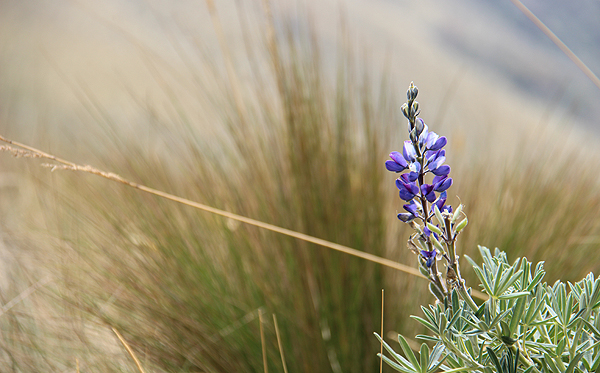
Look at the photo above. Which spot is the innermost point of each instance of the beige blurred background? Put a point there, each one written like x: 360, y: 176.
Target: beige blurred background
x: 57, y: 55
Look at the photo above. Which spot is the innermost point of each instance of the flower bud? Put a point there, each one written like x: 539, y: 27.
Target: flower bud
x: 456, y: 214
x: 461, y: 225
x: 412, y: 92
x: 436, y: 243
x: 433, y: 228
x: 414, y: 109
x: 420, y: 126
x: 404, y: 108
x: 438, y: 214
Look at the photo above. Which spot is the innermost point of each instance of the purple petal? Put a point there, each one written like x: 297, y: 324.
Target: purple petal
x: 406, y: 195
x: 437, y: 179
x: 428, y: 254
x: 427, y: 231
x: 443, y: 185
x: 393, y: 166
x: 439, y: 203
x: 430, y: 197
x: 415, y: 167
x: 448, y: 208
x: 414, y: 189
x: 409, y: 152
x: 426, y: 189
x: 437, y: 163
x: 405, y: 178
x: 400, y: 184
x: 398, y: 158
x: 432, y: 137
x: 405, y: 217
x: 439, y: 143
x: 442, y: 170
x: 412, y: 176
x: 421, y: 126
x: 411, y: 207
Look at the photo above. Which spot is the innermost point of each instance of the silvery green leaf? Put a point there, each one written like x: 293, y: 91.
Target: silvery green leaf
x: 536, y: 280
x: 454, y: 319
x: 560, y: 346
x: 424, y: 357
x: 573, y: 363
x: 408, y: 352
x: 517, y: 314
x: 516, y: 295
x: 395, y: 365
x: 575, y: 318
x: 507, y: 281
x: 425, y: 337
x: 399, y: 358
x: 550, y: 363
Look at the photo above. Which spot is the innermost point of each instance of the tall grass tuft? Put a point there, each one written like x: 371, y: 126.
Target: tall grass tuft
x: 185, y: 289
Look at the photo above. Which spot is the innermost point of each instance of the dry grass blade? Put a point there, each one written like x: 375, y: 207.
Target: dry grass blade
x: 381, y: 344
x: 67, y: 165
x: 556, y: 40
x: 24, y: 294
x: 262, y: 341
x: 279, y: 344
x: 129, y: 350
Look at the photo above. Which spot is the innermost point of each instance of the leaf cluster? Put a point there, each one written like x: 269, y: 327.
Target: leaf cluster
x: 525, y: 325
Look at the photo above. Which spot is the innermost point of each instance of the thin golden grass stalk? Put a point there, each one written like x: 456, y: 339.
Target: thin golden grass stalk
x: 556, y: 40
x: 279, y: 344
x: 68, y: 165
x: 24, y: 294
x: 262, y: 341
x: 129, y: 350
x: 382, y: 336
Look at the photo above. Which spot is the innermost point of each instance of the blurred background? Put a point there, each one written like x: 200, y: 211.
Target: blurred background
x: 284, y: 112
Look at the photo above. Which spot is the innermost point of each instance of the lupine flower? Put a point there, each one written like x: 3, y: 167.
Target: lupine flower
x: 441, y: 183
x: 421, y: 155
x: 397, y: 164
x: 409, y: 152
x: 429, y: 256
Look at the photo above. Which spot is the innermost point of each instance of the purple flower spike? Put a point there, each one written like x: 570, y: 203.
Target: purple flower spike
x: 439, y: 143
x: 409, y: 152
x: 442, y: 170
x: 429, y: 256
x: 442, y: 185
